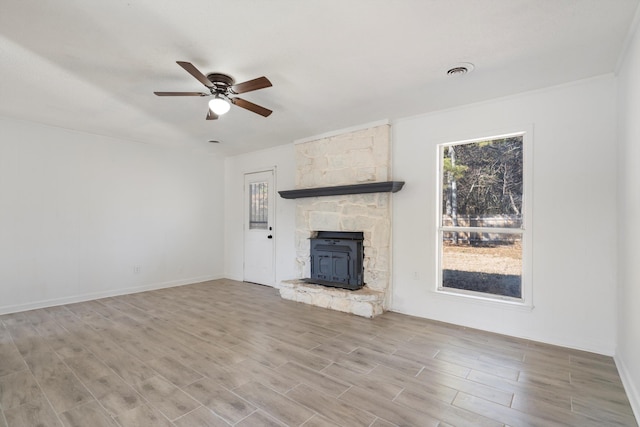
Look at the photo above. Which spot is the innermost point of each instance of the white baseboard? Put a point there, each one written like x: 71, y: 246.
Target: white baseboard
x: 233, y: 276
x: 633, y: 394
x: 590, y: 347
x: 104, y: 294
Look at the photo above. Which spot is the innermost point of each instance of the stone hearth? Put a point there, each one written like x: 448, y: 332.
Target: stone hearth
x: 352, y: 158
x: 363, y: 302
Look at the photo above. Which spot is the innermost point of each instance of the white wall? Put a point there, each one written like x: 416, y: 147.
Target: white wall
x: 574, y: 211
x: 282, y: 158
x: 574, y: 232
x: 628, y: 351
x: 79, y: 212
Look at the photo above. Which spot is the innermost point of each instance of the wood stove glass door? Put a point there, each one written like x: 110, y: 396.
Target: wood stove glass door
x: 259, y: 236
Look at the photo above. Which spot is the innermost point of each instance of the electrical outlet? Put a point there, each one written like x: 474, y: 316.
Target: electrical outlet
x: 416, y: 276
x: 136, y: 269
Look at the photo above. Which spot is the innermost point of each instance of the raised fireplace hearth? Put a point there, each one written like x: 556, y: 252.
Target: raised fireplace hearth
x: 337, y: 259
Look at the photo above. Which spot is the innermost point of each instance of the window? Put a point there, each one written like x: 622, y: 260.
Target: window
x: 481, y: 217
x: 258, y: 205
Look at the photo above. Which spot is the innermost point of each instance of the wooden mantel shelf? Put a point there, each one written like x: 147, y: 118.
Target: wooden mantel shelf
x: 370, y: 187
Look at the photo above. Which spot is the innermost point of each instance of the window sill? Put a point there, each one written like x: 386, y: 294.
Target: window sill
x: 473, y: 299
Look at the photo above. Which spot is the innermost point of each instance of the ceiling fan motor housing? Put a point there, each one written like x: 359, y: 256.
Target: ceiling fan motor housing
x: 222, y: 82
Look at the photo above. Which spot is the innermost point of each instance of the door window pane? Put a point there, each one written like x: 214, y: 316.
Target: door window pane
x: 258, y: 205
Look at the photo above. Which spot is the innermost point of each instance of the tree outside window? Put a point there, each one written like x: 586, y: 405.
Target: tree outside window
x: 481, y: 221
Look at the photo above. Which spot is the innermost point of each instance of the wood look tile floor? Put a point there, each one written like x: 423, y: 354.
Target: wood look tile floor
x: 226, y: 353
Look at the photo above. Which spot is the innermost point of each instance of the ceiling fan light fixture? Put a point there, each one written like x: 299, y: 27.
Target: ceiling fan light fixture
x: 219, y: 105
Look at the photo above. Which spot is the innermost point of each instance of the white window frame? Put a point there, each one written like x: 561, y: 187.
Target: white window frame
x: 525, y: 231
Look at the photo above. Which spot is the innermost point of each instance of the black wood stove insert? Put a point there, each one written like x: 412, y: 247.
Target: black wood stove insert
x: 337, y: 259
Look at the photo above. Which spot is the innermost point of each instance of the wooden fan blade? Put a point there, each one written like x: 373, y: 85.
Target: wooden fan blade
x: 180, y: 93
x: 255, y: 84
x: 211, y: 115
x: 191, y: 69
x: 251, y: 107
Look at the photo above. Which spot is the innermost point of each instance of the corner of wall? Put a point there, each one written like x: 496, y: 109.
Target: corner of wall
x: 633, y: 394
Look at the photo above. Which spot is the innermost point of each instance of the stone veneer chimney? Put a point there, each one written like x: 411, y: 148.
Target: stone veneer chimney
x: 352, y: 158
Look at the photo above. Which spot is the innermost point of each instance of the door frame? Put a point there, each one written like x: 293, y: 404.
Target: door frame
x: 272, y: 220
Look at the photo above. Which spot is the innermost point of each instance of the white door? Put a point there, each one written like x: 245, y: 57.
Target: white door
x: 259, y: 236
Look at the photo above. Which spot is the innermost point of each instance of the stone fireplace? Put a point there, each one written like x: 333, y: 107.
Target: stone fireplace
x: 354, y: 159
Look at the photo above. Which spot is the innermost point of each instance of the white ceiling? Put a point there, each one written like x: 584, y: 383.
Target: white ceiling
x: 93, y: 65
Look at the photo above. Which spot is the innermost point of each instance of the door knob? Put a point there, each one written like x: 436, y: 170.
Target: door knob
x: 269, y: 236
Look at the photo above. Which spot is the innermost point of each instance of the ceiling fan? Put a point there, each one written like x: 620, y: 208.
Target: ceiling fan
x: 222, y: 87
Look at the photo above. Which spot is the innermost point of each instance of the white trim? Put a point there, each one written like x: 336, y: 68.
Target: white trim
x: 498, y: 230
x: 388, y: 303
x: 484, y: 297
x: 633, y: 28
x: 526, y: 299
x: 105, y: 294
x: 576, y: 345
x: 633, y: 394
x: 487, y: 134
x: 481, y: 299
x: 343, y: 131
x: 493, y: 101
x: 272, y: 218
x: 259, y: 170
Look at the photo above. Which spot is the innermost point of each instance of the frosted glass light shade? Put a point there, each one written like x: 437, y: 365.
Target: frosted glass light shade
x: 219, y: 105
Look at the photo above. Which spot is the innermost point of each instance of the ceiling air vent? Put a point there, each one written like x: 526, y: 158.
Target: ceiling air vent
x: 460, y: 69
